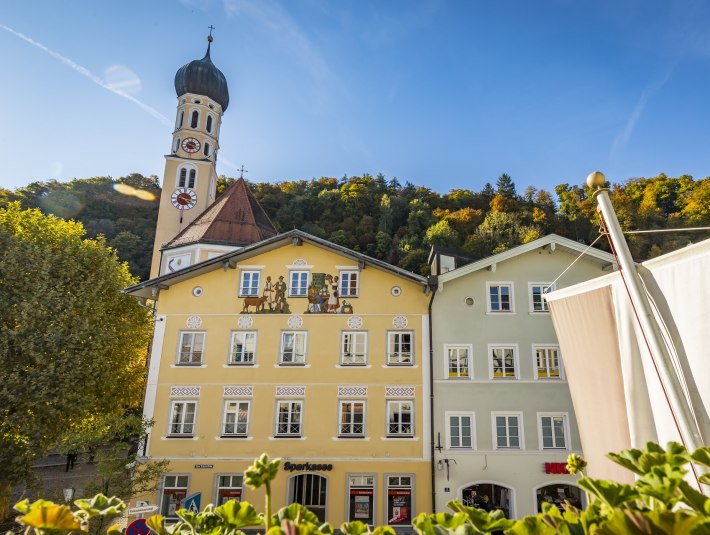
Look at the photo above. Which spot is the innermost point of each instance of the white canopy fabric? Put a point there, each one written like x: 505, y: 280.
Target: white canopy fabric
x: 617, y: 394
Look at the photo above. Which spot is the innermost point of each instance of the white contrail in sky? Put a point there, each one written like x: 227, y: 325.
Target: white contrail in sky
x: 88, y: 74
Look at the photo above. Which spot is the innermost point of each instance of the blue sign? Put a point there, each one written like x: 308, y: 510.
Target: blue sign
x: 192, y: 502
x: 138, y: 527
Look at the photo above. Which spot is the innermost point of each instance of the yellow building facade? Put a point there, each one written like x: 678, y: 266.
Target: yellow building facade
x: 306, y: 351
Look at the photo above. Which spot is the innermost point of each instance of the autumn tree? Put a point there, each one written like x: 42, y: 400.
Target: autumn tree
x: 72, y: 346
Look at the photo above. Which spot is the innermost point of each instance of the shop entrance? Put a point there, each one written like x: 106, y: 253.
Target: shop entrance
x: 558, y: 493
x: 489, y: 496
x: 310, y: 490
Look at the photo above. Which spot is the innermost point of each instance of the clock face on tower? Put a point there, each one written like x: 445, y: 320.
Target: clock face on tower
x: 184, y: 199
x: 190, y: 144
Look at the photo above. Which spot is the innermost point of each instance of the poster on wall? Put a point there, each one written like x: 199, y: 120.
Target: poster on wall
x: 229, y: 494
x: 361, y: 505
x: 399, y: 507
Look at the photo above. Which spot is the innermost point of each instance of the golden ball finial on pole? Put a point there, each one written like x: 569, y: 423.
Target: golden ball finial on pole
x: 596, y: 180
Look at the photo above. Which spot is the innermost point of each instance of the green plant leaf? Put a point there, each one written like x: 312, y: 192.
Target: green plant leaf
x: 480, y: 519
x: 100, y: 505
x: 681, y: 522
x: 702, y: 456
x: 238, y: 515
x: 530, y: 525
x: 695, y: 499
x: 611, y: 493
x: 354, y: 528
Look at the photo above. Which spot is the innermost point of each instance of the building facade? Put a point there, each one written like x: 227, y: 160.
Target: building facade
x: 304, y: 350
x: 504, y: 423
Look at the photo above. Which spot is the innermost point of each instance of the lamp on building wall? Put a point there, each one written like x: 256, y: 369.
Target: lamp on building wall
x: 444, y: 463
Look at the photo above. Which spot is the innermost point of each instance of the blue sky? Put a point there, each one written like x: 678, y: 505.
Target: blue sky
x: 445, y: 94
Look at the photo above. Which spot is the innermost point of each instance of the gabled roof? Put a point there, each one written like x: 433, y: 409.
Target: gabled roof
x: 233, y: 258
x: 606, y: 260
x: 235, y: 218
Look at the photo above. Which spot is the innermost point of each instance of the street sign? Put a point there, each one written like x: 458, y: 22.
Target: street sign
x: 143, y: 510
x: 192, y: 502
x: 138, y: 527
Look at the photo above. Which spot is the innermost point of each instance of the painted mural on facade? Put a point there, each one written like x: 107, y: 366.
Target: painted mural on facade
x: 322, y: 291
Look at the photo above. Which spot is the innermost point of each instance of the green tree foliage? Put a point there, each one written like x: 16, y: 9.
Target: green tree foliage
x: 72, y: 346
x: 390, y: 221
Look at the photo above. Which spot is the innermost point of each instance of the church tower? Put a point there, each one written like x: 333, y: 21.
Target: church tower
x: 190, y: 178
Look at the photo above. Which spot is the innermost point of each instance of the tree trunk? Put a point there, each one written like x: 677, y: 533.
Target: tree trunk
x: 5, y: 490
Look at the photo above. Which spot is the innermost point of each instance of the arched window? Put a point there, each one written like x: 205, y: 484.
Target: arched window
x: 207, y: 149
x: 191, y: 182
x: 209, y: 123
x: 193, y: 120
x: 310, y: 490
x: 181, y: 117
x: 183, y: 178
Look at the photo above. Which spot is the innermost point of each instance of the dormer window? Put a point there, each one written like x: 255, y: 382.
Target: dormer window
x: 195, y: 117
x: 209, y: 124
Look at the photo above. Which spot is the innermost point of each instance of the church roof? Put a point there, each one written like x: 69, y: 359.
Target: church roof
x: 235, y: 218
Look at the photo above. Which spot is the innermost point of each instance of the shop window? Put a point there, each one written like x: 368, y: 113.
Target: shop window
x: 489, y: 497
x: 361, y: 502
x: 229, y: 487
x: 399, y: 500
x: 174, y: 491
x: 558, y: 494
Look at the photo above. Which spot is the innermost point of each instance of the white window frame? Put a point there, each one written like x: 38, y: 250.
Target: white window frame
x: 565, y: 430
x: 292, y: 288
x: 396, y: 358
x: 233, y: 478
x: 181, y: 433
x: 521, y: 437
x: 345, y: 291
x: 179, y: 361
x: 175, y: 478
x: 397, y: 405
x: 244, y: 361
x: 447, y: 363
x: 511, y: 297
x: 354, y: 433
x: 362, y: 481
x: 397, y: 481
x: 459, y: 414
x: 353, y: 357
x: 547, y: 348
x: 249, y: 290
x: 227, y: 411
x: 296, y: 359
x: 516, y: 362
x: 531, y: 299
x: 290, y: 421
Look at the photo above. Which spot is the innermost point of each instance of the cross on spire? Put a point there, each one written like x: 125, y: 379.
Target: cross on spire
x: 211, y: 28
x: 242, y: 171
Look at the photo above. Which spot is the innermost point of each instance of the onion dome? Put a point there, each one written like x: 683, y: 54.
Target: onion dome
x: 201, y: 77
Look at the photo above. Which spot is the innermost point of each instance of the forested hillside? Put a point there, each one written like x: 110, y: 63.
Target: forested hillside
x: 391, y: 221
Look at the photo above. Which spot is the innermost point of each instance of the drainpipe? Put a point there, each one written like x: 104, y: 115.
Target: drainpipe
x: 433, y: 287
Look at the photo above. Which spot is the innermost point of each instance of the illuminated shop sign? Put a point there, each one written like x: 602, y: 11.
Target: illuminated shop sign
x: 556, y: 468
